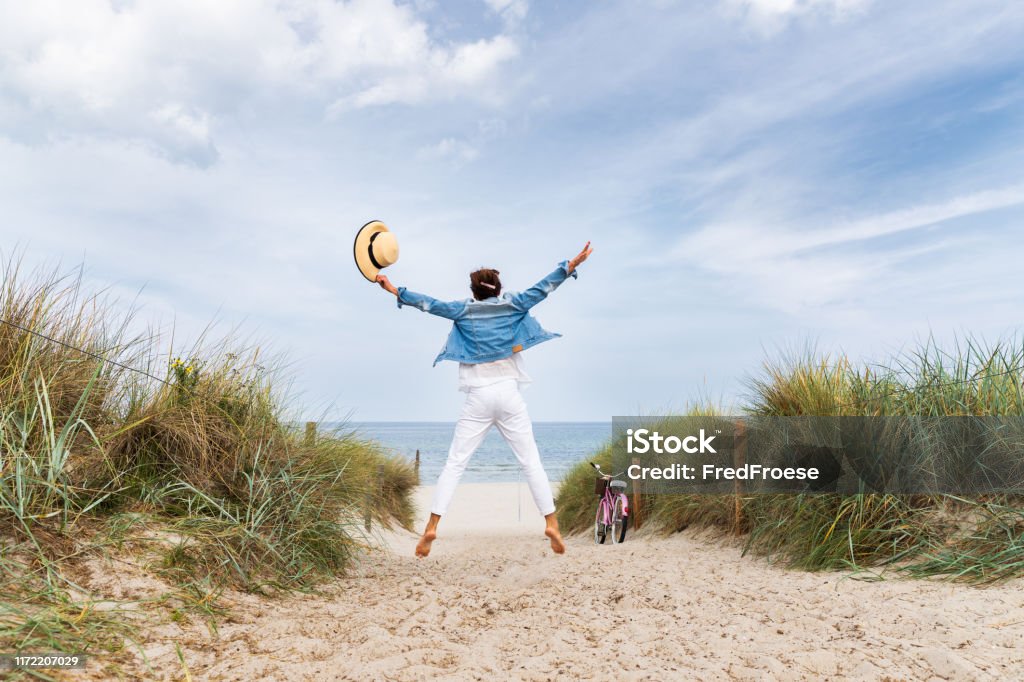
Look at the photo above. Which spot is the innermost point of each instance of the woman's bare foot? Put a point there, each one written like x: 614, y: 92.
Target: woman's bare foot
x: 429, y: 535
x: 423, y: 546
x: 557, y: 546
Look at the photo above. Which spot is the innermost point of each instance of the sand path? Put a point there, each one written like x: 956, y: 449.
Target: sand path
x: 492, y: 602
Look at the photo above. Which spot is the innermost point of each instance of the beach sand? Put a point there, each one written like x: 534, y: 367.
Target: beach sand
x: 493, y: 602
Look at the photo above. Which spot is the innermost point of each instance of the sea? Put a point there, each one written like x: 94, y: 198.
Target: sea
x: 561, y: 445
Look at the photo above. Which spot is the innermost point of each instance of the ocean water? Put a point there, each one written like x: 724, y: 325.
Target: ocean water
x: 561, y: 445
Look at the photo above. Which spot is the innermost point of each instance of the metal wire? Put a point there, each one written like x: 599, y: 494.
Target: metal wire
x: 164, y: 381
x: 84, y: 351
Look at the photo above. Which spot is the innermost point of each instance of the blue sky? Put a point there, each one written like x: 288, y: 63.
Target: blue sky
x: 754, y: 175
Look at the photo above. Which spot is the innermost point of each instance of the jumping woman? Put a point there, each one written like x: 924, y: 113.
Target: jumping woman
x: 489, y: 333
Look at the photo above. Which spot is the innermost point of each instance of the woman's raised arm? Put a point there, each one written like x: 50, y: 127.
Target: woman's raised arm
x: 525, y: 300
x: 447, y: 309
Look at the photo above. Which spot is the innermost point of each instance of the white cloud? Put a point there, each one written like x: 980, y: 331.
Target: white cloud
x: 769, y: 16
x: 186, y: 131
x: 791, y: 7
x: 512, y: 11
x: 751, y: 242
x: 450, y: 148
x: 799, y: 269
x: 446, y: 73
x: 166, y: 71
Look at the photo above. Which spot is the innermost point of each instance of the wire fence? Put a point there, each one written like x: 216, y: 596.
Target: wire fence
x: 888, y: 394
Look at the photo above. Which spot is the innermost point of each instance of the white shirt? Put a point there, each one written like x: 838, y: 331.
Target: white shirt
x: 487, y: 373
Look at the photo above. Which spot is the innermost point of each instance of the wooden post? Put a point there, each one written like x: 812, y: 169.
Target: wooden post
x: 368, y: 508
x: 637, y: 495
x: 310, y: 433
x: 739, y: 458
x: 417, y: 465
x: 373, y: 495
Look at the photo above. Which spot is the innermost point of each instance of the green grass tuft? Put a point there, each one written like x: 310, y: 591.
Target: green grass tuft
x: 980, y: 540
x: 191, y: 462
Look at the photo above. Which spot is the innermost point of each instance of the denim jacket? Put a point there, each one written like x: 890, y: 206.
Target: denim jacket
x: 494, y: 328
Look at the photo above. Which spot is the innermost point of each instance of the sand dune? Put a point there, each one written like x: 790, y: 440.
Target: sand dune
x: 492, y: 602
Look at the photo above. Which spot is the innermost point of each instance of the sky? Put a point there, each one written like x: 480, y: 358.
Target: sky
x: 754, y: 175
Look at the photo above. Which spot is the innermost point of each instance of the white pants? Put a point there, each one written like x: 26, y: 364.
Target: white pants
x: 499, y: 404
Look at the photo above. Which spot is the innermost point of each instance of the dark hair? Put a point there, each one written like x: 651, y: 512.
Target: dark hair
x: 484, y: 283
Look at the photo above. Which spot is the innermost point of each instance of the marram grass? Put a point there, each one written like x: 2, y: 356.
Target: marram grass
x: 191, y: 463
x: 974, y: 540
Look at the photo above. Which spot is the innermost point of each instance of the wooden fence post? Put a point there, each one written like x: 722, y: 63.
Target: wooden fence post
x: 637, y: 495
x: 417, y: 465
x: 310, y: 433
x: 373, y: 494
x: 739, y: 459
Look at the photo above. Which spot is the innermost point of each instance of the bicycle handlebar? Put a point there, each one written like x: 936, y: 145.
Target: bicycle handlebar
x: 608, y: 476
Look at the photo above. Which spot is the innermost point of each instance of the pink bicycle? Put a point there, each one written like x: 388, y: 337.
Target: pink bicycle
x: 612, y: 509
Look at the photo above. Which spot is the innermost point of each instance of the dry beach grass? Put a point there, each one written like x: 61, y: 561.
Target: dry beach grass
x: 974, y: 538
x: 188, y: 472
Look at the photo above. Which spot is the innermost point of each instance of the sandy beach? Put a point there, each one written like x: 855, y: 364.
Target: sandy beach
x: 492, y: 602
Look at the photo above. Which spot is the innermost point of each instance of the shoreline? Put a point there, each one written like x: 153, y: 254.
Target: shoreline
x: 477, y: 509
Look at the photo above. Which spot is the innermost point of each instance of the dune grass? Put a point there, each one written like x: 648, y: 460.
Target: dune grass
x: 992, y: 550
x: 191, y: 464
x: 975, y: 540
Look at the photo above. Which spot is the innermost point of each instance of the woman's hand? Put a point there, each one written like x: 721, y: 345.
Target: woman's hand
x: 582, y: 256
x: 386, y: 284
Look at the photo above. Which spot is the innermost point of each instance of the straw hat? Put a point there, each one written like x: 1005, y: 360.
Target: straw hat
x: 375, y: 248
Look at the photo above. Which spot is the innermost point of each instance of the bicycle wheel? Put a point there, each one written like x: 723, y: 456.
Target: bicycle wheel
x: 600, y: 531
x: 619, y: 522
